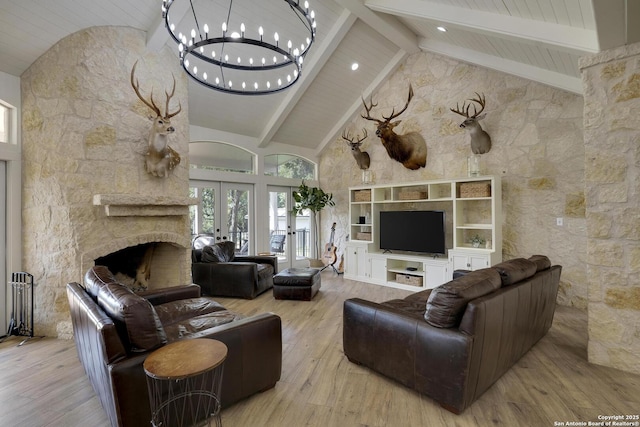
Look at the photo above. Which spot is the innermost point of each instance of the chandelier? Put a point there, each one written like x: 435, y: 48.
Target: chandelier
x: 236, y: 54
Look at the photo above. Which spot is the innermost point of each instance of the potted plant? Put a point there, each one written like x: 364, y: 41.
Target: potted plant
x: 477, y: 241
x: 314, y: 199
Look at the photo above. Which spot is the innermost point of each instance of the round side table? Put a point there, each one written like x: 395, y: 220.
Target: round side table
x: 184, y: 380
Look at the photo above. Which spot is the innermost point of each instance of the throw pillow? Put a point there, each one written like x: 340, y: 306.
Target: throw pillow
x: 136, y: 314
x: 447, y: 303
x: 97, y: 277
x: 542, y: 262
x: 220, y: 252
x: 515, y: 270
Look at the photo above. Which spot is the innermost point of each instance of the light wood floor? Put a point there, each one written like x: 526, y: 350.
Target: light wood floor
x: 43, y: 384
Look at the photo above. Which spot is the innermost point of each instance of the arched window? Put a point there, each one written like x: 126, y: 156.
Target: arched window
x: 289, y: 166
x: 221, y: 156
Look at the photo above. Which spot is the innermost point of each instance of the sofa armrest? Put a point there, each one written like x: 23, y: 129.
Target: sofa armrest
x: 173, y: 293
x: 254, y: 359
x: 129, y: 388
x: 259, y: 259
x: 401, y: 346
x: 233, y: 279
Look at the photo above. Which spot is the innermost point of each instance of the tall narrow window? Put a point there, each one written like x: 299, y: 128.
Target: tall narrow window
x: 4, y: 123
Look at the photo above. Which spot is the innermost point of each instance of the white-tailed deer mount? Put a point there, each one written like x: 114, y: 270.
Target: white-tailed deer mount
x: 480, y: 140
x: 409, y: 149
x: 362, y: 157
x: 160, y: 158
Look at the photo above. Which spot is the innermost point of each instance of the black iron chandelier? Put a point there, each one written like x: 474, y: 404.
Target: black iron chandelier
x: 237, y: 55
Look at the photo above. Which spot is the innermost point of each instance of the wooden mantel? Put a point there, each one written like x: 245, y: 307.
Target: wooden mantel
x: 137, y: 205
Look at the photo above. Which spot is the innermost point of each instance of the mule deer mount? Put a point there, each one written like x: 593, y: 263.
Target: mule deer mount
x: 160, y: 157
x: 409, y: 149
x: 362, y: 157
x: 480, y: 140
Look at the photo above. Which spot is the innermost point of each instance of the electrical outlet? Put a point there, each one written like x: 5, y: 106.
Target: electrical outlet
x: 559, y: 221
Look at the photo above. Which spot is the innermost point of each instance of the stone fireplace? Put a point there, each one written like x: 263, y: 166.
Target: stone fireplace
x: 86, y: 194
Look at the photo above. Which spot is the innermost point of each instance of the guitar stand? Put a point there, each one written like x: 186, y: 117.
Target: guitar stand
x: 332, y: 266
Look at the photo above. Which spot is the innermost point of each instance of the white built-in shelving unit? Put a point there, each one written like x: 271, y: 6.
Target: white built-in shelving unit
x: 475, y: 206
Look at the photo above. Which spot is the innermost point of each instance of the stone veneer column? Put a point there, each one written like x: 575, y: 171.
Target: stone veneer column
x: 611, y: 82
x: 84, y: 132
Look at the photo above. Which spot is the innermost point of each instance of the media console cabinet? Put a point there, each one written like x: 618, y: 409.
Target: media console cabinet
x: 472, y: 209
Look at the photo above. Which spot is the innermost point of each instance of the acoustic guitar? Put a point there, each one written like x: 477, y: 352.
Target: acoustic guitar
x: 329, y: 256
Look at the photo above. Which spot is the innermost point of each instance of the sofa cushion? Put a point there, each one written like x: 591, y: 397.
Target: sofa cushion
x: 95, y: 278
x: 220, y: 252
x: 176, y: 311
x: 515, y: 270
x: 542, y: 262
x: 134, y: 314
x: 447, y: 303
x: 194, y: 325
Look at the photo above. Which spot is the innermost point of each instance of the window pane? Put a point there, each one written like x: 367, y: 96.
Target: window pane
x: 221, y: 156
x: 289, y: 166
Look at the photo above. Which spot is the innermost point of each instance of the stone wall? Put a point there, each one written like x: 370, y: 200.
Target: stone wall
x: 611, y: 82
x: 538, y: 151
x: 85, y: 134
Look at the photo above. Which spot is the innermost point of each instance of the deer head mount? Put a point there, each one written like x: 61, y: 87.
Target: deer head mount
x: 409, y: 149
x: 480, y: 140
x: 160, y: 158
x: 362, y: 157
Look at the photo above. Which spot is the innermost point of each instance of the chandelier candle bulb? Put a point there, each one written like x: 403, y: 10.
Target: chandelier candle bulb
x: 242, y: 28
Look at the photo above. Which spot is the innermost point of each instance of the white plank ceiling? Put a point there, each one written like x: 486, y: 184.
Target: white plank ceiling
x: 536, y: 39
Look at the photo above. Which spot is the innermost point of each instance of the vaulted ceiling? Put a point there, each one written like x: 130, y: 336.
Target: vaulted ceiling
x: 539, y: 40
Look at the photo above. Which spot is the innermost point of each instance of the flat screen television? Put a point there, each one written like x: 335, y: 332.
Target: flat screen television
x: 413, y: 231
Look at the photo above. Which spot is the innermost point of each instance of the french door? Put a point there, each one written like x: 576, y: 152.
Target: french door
x: 289, y: 235
x: 225, y: 210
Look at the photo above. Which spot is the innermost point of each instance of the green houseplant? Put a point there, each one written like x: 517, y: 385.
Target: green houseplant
x: 314, y: 199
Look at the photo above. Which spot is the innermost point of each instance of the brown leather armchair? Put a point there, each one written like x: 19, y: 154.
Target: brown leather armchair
x: 115, y: 330
x: 220, y: 272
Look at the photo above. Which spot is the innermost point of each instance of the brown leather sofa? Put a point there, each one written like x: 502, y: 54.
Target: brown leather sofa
x: 115, y: 330
x: 220, y: 272
x: 453, y: 342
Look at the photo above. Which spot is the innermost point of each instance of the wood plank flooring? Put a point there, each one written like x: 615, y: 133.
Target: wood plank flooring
x: 43, y: 384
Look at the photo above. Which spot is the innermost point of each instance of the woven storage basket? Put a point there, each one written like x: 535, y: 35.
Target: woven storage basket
x: 406, y: 279
x: 362, y: 196
x: 363, y: 235
x: 412, y: 195
x: 475, y: 189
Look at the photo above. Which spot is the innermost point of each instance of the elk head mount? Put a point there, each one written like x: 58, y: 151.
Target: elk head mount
x: 409, y: 149
x: 160, y: 157
x: 362, y: 157
x: 480, y: 140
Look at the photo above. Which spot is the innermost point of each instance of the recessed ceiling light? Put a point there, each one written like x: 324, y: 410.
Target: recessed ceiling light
x: 354, y: 66
x: 443, y: 29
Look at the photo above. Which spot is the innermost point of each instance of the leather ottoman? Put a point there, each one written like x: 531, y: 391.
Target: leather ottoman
x: 296, y: 283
